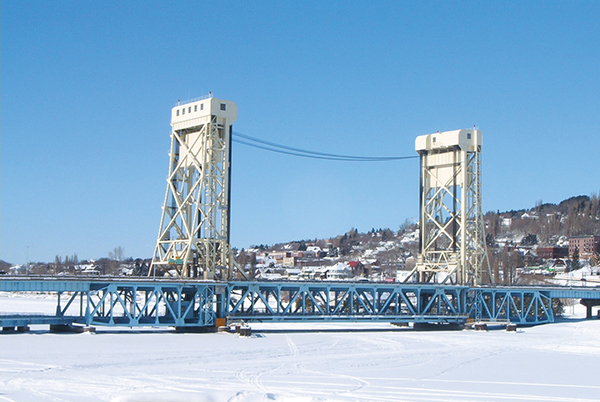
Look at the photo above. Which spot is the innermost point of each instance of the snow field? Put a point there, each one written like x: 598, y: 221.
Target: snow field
x: 286, y: 362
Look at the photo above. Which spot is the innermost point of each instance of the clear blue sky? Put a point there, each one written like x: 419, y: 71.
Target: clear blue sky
x: 87, y: 89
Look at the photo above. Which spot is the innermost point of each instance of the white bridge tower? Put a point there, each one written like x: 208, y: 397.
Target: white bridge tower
x: 194, y: 229
x: 452, y: 240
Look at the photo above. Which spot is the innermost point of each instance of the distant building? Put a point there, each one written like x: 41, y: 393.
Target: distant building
x: 358, y: 268
x: 586, y: 245
x: 290, y: 261
x: 293, y: 273
x: 552, y: 252
x: 558, y: 265
x: 280, y: 256
x: 340, y: 270
x: 314, y: 249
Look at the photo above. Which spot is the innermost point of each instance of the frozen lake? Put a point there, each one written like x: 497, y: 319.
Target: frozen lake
x: 284, y: 362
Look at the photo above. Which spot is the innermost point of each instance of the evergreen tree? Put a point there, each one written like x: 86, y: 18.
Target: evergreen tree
x: 575, y: 263
x: 529, y: 240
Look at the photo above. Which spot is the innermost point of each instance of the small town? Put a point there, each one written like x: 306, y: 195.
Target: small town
x: 543, y: 245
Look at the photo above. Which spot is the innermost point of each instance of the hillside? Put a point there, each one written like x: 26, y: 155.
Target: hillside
x: 575, y: 216
x: 513, y: 238
x: 5, y: 266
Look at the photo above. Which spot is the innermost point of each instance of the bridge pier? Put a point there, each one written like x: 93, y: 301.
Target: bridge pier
x: 19, y: 328
x: 195, y: 330
x: 589, y: 303
x: 69, y: 328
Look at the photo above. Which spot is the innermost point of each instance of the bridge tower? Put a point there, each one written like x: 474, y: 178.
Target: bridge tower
x: 452, y: 240
x: 194, y: 230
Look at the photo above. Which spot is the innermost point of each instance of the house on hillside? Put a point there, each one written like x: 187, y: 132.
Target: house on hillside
x: 339, y: 271
x: 558, y: 265
x: 314, y: 249
x: 358, y: 269
x: 552, y: 252
x: 585, y: 244
x: 290, y: 261
x: 293, y: 273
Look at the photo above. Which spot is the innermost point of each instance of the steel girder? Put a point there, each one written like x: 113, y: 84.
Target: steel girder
x: 299, y: 301
x: 130, y: 304
x: 135, y: 305
x: 168, y: 303
x: 519, y: 306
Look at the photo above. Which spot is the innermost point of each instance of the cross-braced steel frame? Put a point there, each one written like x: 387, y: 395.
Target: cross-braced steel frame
x: 194, y: 228
x: 452, y: 239
x: 282, y: 301
x: 185, y: 304
x: 514, y: 305
x: 139, y: 305
x: 130, y: 303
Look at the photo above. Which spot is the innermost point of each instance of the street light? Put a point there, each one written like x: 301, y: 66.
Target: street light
x: 27, y: 258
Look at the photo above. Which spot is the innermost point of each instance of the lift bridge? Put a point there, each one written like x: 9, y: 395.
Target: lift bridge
x: 194, y: 304
x: 205, y: 288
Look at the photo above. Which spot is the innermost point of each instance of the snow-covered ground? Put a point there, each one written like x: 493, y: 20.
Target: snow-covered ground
x: 284, y: 362
x: 586, y: 276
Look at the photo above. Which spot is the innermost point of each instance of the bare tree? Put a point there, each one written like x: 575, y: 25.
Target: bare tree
x: 58, y: 263
x: 116, y: 254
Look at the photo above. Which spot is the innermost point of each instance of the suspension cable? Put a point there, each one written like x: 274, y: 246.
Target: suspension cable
x: 283, y: 149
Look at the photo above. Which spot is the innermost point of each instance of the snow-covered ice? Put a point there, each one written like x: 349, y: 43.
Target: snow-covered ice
x: 285, y: 362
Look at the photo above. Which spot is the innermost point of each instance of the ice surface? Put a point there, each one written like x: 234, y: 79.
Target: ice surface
x: 285, y: 362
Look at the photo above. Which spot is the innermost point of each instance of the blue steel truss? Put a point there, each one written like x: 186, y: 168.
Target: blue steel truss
x: 149, y: 305
x: 510, y: 305
x: 124, y: 303
x: 521, y: 305
x: 139, y: 302
x: 343, y: 301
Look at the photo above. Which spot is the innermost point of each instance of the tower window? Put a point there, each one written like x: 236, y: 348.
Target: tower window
x: 177, y: 112
x: 468, y: 136
x: 223, y: 106
x: 190, y: 109
x: 183, y: 111
x: 202, y: 106
x: 195, y: 108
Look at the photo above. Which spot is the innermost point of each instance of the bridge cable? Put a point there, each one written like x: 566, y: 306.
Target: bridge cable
x: 283, y: 149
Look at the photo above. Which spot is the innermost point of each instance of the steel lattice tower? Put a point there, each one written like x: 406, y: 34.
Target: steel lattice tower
x: 452, y: 238
x: 194, y: 229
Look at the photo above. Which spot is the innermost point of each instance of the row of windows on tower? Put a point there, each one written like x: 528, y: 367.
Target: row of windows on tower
x: 468, y: 138
x: 189, y: 108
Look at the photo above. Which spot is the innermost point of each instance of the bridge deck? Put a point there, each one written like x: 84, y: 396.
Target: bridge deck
x: 133, y: 302
x: 23, y: 320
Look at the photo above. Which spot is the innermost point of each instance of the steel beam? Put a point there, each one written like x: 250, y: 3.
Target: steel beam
x: 138, y: 302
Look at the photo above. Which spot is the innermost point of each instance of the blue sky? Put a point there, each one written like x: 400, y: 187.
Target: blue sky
x: 87, y: 89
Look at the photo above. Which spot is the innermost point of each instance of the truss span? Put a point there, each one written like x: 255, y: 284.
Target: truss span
x: 141, y: 302
x: 322, y: 301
